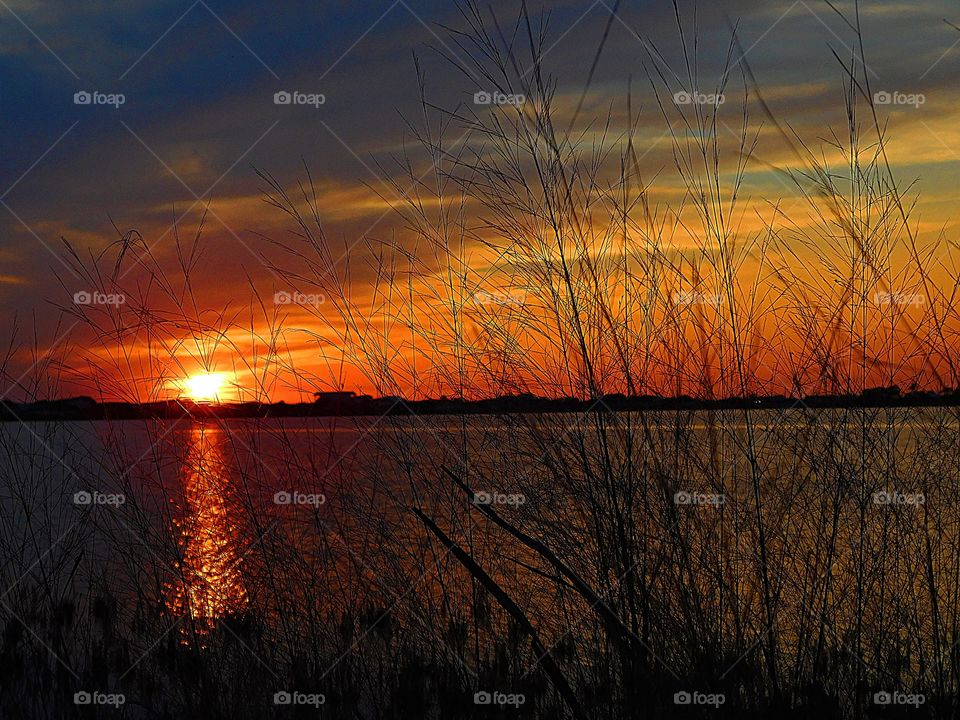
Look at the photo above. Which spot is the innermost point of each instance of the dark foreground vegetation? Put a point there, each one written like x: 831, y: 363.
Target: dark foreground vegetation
x: 711, y: 560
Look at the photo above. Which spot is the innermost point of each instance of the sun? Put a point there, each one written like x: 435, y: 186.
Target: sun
x: 204, y: 387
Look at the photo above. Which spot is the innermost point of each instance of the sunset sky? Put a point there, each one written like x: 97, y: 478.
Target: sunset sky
x: 199, y: 119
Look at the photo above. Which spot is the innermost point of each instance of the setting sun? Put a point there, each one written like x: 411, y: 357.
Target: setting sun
x: 204, y: 387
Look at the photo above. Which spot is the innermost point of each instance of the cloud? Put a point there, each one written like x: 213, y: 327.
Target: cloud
x: 200, y: 112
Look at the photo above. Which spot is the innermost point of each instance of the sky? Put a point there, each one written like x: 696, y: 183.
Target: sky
x: 199, y: 119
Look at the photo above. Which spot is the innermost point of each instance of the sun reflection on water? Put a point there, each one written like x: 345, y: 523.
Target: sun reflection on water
x: 210, y: 586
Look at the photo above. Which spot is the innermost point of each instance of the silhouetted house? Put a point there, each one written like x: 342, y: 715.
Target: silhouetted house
x: 338, y: 396
x: 342, y: 402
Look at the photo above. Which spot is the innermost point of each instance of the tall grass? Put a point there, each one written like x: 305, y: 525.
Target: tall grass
x: 535, y: 257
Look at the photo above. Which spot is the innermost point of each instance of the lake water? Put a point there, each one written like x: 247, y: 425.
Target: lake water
x: 298, y: 538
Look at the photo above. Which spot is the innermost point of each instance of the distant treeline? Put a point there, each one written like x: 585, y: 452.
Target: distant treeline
x: 347, y: 404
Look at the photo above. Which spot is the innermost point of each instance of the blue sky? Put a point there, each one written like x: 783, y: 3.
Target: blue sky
x: 198, y: 118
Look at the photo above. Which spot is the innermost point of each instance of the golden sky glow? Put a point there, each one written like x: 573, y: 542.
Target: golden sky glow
x: 205, y: 387
x: 179, y: 165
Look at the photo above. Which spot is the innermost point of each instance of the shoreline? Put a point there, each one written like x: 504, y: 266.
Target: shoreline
x: 347, y: 405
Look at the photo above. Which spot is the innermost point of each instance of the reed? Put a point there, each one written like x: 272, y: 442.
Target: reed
x: 794, y: 563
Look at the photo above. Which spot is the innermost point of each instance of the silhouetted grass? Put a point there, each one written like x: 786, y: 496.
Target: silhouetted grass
x: 796, y: 562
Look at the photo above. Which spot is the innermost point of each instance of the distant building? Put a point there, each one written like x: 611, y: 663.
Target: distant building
x: 340, y: 402
x: 340, y: 396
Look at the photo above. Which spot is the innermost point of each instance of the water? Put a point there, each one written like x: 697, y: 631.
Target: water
x: 291, y: 544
